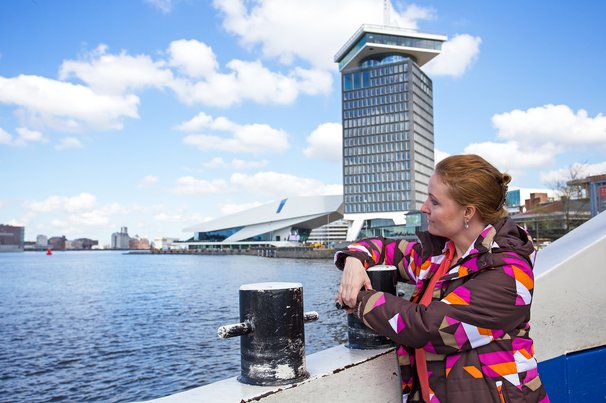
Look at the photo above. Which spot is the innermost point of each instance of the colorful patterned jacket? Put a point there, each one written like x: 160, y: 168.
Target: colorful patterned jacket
x: 475, y: 332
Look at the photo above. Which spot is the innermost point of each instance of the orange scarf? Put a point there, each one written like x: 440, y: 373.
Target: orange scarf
x: 425, y: 300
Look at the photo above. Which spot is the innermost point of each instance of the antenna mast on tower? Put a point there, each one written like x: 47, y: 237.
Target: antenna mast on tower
x: 386, y: 12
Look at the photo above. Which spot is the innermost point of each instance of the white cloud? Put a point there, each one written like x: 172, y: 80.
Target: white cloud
x: 251, y: 138
x: 68, y: 142
x: 511, y: 157
x: 59, y: 224
x: 116, y: 74
x: 232, y: 208
x: 218, y: 162
x: 553, y: 124
x: 91, y: 218
x: 165, y: 6
x: 105, y: 94
x: 563, y: 174
x: 188, y: 185
x: 537, y: 135
x: 70, y: 213
x: 5, y: 137
x: 325, y: 142
x: 193, y: 58
x: 148, y: 181
x: 275, y: 184
x: 24, y: 136
x: 74, y: 204
x: 252, y: 81
x: 163, y: 216
x: 241, y: 164
x: 179, y: 218
x: 27, y: 135
x: 198, y: 122
x: 64, y: 105
x: 311, y: 30
x: 457, y: 56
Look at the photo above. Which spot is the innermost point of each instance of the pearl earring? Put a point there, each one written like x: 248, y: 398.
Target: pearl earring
x: 466, y: 224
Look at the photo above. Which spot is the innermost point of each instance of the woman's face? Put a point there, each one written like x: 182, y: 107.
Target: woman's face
x: 444, y: 216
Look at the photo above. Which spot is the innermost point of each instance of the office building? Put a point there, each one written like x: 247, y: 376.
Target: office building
x: 286, y: 222
x: 11, y: 238
x: 120, y: 240
x: 388, y: 140
x: 42, y: 241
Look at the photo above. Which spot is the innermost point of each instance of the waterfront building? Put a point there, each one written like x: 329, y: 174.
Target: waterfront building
x: 84, y: 243
x: 167, y: 243
x: 332, y: 232
x: 57, y: 242
x: 42, y: 241
x: 595, y: 189
x: 387, y: 113
x: 12, y: 238
x: 137, y: 242
x: 286, y: 222
x: 120, y: 240
x: 519, y: 200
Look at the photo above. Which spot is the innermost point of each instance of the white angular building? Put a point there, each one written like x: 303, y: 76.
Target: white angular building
x: 285, y: 222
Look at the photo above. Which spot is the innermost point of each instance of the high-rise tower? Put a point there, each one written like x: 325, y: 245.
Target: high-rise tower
x: 387, y: 101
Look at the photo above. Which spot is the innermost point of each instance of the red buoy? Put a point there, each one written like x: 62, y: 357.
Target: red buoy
x: 49, y: 252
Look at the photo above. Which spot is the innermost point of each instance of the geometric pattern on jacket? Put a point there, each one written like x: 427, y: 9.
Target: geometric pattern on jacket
x: 475, y: 331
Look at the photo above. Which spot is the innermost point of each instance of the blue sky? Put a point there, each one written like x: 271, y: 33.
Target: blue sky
x: 157, y: 115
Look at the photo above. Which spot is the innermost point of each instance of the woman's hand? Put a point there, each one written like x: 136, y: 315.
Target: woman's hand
x: 353, y: 280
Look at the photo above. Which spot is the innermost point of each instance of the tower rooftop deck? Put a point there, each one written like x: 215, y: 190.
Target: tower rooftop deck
x: 377, y: 39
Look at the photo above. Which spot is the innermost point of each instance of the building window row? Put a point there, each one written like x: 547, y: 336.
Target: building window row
x: 375, y: 91
x: 424, y: 103
x: 424, y: 88
x: 396, y: 167
x: 423, y: 169
x: 371, y: 139
x: 374, y: 149
x: 376, y: 159
x: 377, y: 111
x: 421, y: 140
x: 366, y: 131
x: 359, y: 85
x: 383, y: 187
x: 375, y: 120
x: 376, y: 207
x: 377, y: 197
x: 423, y: 112
x: 394, y: 129
x: 394, y: 95
x: 421, y: 130
x: 420, y: 121
x: 367, y: 121
x: 374, y: 178
x: 374, y: 77
x: 378, y: 130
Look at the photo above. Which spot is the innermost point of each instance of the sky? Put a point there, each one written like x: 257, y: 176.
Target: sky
x: 157, y: 115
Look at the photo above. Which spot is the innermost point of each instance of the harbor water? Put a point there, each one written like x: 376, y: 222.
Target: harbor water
x: 106, y: 326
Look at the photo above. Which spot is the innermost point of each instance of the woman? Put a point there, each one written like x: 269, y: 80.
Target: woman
x: 464, y: 336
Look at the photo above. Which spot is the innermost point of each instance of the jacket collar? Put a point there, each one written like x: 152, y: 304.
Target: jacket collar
x: 486, y: 251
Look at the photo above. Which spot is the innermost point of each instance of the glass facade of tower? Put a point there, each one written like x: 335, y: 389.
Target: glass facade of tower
x: 388, y: 145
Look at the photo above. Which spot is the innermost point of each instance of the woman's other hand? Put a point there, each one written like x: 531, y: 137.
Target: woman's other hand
x: 353, y: 280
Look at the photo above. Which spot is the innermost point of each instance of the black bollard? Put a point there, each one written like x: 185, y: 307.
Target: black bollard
x: 272, y: 347
x: 383, y: 278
